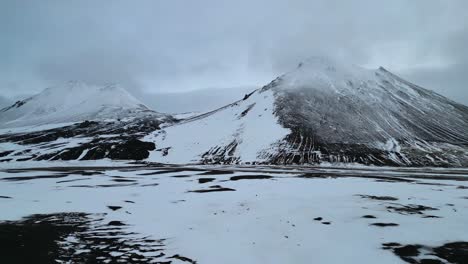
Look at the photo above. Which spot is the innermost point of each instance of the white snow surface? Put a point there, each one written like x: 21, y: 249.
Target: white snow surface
x: 262, y: 221
x: 75, y: 101
x: 250, y: 123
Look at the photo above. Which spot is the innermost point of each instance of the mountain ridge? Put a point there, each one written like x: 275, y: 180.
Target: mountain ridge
x: 333, y: 113
x: 321, y: 112
x: 74, y: 102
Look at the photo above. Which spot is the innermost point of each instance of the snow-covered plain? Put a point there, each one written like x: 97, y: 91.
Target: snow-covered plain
x: 228, y: 214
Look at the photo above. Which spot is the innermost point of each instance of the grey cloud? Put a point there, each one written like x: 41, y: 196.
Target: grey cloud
x: 173, y: 46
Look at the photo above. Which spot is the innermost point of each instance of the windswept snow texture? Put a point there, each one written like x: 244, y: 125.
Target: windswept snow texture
x: 232, y: 215
x: 325, y: 111
x: 72, y: 103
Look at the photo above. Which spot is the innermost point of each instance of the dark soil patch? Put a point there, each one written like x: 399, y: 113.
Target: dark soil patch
x: 115, y: 185
x: 369, y: 217
x: 410, y: 209
x: 205, y: 180
x: 74, y: 238
x: 250, y: 177
x: 114, y: 208
x: 384, y: 224
x: 454, y: 253
x: 216, y: 172
x: 150, y: 185
x: 378, y: 198
x: 431, y: 261
x: 28, y: 178
x: 182, y: 258
x: 162, y: 172
x: 220, y: 189
x: 73, y: 180
x: 123, y: 180
x: 6, y: 153
x: 432, y: 216
x: 116, y: 223
x: 181, y: 176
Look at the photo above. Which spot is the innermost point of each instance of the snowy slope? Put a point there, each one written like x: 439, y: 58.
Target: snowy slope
x: 230, y: 134
x: 73, y: 102
x: 325, y: 111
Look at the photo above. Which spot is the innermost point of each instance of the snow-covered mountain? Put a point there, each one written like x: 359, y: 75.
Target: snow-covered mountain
x: 78, y: 122
x: 321, y: 112
x: 325, y: 111
x: 73, y: 102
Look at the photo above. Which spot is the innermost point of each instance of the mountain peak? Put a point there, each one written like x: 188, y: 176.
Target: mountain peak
x: 72, y: 101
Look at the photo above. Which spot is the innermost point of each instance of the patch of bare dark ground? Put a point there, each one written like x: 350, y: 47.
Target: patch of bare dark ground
x: 73, y: 180
x: 75, y: 238
x: 114, y: 207
x: 454, y: 253
x: 123, y: 180
x: 205, y: 180
x: 166, y: 171
x: 322, y: 174
x: 214, y: 188
x: 182, y: 176
x: 378, y: 198
x: 184, y: 259
x: 216, y: 172
x: 368, y: 217
x: 384, y: 224
x: 410, y: 209
x: 149, y: 185
x: 103, y: 185
x: 53, y: 175
x: 39, y: 177
x: 250, y: 177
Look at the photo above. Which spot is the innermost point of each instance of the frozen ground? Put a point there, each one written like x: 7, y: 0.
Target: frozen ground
x: 226, y: 214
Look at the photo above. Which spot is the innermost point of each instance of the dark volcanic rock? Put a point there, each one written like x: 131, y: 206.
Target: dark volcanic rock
x: 75, y: 238
x: 454, y: 253
x: 122, y: 142
x: 384, y: 224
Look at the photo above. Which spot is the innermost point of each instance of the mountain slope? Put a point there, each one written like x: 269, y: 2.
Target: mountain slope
x: 71, y: 103
x: 78, y: 122
x: 325, y: 111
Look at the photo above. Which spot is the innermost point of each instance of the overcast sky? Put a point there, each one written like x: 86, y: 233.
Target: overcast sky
x: 174, y: 45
